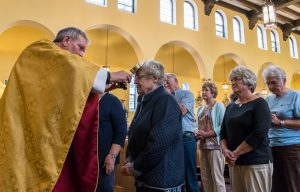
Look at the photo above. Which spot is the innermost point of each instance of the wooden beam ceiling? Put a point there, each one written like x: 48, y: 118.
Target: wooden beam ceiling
x: 255, y: 12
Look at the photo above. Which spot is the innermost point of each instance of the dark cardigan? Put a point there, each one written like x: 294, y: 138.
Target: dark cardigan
x: 112, y: 125
x: 155, y: 141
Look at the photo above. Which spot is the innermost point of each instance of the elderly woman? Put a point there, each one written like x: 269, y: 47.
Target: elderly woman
x: 284, y: 134
x: 209, y: 120
x: 244, y: 136
x: 155, y: 145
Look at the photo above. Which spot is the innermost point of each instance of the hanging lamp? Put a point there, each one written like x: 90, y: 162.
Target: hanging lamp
x: 269, y: 14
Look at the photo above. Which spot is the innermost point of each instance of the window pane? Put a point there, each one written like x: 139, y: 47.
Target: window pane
x: 260, y: 38
x: 189, y: 16
x: 293, y: 48
x: 273, y: 42
x: 219, y: 24
x: 97, y: 2
x: 166, y: 11
x: 126, y: 5
x: 237, y: 30
x: 292, y: 52
x: 132, y: 95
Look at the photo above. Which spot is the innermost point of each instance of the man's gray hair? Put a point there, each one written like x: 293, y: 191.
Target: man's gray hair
x: 274, y: 71
x: 153, y: 68
x: 171, y: 75
x: 72, y: 32
x: 249, y: 78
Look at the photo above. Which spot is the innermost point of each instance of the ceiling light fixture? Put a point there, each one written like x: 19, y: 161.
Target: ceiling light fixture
x: 269, y: 14
x: 225, y: 85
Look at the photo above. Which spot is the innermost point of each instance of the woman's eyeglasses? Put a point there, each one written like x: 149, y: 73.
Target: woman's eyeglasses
x: 235, y: 79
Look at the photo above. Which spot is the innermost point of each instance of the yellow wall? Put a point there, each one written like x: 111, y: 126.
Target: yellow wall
x: 138, y: 36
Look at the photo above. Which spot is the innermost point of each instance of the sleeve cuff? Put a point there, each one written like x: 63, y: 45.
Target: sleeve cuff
x: 100, y: 81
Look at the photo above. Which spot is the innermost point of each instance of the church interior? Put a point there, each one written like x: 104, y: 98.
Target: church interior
x: 198, y: 40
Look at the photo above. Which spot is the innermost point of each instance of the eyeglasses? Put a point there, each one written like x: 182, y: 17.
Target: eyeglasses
x: 235, y: 79
x: 139, y: 76
x: 272, y: 83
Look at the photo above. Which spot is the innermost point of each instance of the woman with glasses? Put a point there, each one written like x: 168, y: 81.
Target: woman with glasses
x: 244, y: 136
x: 155, y: 145
x: 284, y: 134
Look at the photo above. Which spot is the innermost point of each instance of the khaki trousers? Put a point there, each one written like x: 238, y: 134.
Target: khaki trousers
x: 212, y: 169
x: 251, y: 178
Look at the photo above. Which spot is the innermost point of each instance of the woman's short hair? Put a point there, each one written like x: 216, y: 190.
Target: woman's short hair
x: 153, y: 68
x: 274, y: 71
x: 248, y: 77
x: 213, y: 88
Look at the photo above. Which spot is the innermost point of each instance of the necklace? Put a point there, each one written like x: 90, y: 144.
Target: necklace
x: 240, y: 104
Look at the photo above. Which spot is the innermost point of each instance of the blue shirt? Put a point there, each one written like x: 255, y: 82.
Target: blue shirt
x: 285, y: 107
x: 186, y: 98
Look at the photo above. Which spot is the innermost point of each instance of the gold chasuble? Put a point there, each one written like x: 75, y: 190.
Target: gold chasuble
x: 39, y: 113
x: 2, y: 87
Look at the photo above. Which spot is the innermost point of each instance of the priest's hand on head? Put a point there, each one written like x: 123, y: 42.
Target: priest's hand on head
x: 120, y: 76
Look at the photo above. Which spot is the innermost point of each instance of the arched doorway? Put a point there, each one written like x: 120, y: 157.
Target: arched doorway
x: 222, y: 67
x: 295, y: 83
x: 261, y: 86
x: 15, y: 38
x: 113, y: 47
x: 183, y: 60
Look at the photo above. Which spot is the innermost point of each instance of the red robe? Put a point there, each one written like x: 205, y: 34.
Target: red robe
x: 80, y: 170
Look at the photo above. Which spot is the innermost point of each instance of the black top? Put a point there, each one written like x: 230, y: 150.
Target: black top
x: 249, y: 122
x: 112, y: 125
x: 155, y: 140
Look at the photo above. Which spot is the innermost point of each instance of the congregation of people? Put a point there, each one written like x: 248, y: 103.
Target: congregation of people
x: 258, y: 138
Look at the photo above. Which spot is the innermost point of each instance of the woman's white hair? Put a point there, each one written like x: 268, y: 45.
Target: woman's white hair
x: 249, y: 78
x: 154, y: 69
x: 274, y: 71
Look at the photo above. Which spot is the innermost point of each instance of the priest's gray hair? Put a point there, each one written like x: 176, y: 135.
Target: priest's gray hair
x: 72, y: 32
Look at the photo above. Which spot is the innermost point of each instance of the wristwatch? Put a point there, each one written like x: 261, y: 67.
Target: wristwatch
x: 281, y: 123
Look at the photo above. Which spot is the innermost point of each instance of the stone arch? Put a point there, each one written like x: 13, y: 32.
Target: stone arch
x: 123, y: 35
x: 224, y: 64
x: 182, y: 59
x: 261, y: 87
x: 28, y: 23
x: 295, y: 82
x: 222, y: 67
x: 167, y: 47
x: 16, y: 36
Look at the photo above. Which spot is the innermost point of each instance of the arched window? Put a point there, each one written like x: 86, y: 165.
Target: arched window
x: 132, y: 95
x: 293, y: 47
x: 127, y: 5
x: 167, y: 11
x: 98, y: 2
x: 221, y: 26
x: 261, y: 37
x: 190, y: 15
x: 275, y: 41
x: 238, y: 30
